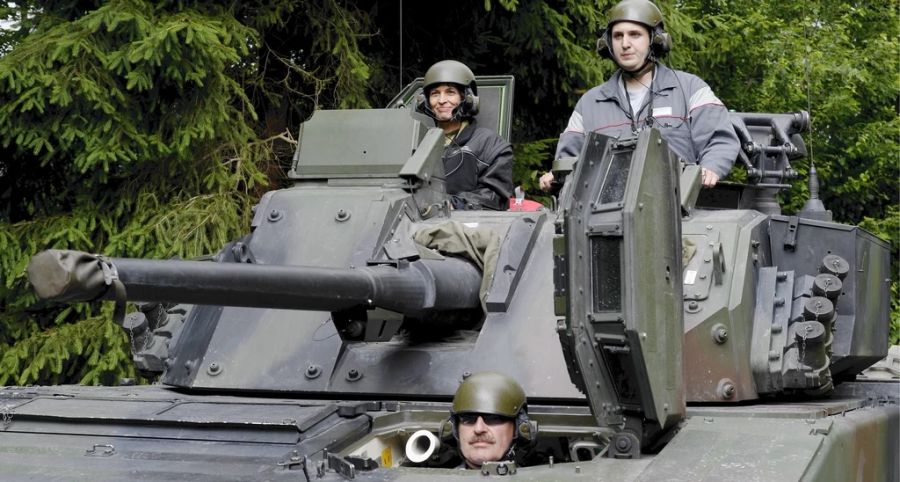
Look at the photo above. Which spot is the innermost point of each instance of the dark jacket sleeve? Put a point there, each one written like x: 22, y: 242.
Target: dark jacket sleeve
x: 495, y: 185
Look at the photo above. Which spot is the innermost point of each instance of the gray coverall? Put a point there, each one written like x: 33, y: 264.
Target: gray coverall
x: 688, y: 114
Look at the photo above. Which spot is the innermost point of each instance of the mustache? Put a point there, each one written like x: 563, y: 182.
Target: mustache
x: 481, y: 438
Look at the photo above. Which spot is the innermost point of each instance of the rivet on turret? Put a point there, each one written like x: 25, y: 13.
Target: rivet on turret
x: 719, y: 333
x: 692, y: 307
x: 353, y: 375
x: 342, y: 216
x: 726, y: 389
x: 313, y: 371
x: 274, y: 216
x: 213, y: 369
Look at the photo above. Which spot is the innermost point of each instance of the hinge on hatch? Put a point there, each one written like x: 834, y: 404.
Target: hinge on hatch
x: 348, y: 466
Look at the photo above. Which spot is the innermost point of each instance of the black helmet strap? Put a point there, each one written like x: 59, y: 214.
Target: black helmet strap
x: 647, y: 66
x: 648, y: 104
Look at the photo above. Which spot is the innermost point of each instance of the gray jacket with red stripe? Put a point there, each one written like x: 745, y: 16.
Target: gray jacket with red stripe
x: 687, y: 113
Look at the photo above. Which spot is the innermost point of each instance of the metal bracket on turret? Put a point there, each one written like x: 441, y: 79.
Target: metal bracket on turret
x: 241, y: 252
x: 790, y: 238
x: 348, y: 466
x: 111, y: 278
x: 501, y: 468
x: 625, y: 445
x: 418, y: 168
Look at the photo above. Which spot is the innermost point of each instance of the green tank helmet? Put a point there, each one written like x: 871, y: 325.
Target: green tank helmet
x: 643, y: 12
x: 450, y: 72
x: 638, y: 11
x: 490, y: 393
x: 494, y: 394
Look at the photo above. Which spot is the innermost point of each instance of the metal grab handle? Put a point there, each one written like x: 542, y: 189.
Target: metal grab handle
x: 718, y: 263
x: 109, y: 449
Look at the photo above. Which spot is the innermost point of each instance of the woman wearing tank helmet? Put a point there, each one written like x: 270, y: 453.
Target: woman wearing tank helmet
x: 477, y: 162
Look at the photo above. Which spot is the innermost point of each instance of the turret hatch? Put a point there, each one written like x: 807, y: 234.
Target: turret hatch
x: 618, y: 286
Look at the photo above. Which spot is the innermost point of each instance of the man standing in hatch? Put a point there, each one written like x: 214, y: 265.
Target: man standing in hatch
x: 644, y: 94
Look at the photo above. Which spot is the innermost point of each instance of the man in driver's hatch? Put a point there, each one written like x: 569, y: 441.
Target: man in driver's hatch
x: 489, y: 419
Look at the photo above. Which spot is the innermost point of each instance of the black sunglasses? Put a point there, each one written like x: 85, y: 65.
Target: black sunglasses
x: 488, y: 418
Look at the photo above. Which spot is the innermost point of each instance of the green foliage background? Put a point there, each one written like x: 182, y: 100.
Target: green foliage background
x: 149, y: 129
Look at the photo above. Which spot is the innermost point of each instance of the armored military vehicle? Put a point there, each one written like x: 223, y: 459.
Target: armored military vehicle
x: 661, y: 332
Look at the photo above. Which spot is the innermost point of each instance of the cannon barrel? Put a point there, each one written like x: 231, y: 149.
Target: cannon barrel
x: 416, y: 288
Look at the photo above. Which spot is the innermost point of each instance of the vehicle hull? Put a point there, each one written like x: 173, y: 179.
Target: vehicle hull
x: 157, y: 433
